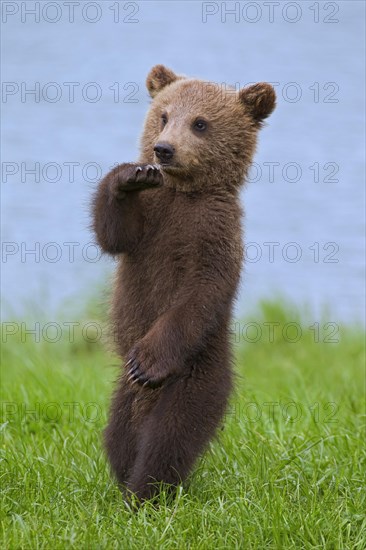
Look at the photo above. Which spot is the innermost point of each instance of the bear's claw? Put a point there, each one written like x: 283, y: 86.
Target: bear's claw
x: 135, y: 375
x: 132, y: 177
x: 139, y: 373
x: 146, y: 174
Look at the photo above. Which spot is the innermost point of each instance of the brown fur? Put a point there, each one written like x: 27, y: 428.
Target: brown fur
x: 177, y: 232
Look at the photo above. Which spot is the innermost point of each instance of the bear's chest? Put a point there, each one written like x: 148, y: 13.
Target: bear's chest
x: 170, y: 233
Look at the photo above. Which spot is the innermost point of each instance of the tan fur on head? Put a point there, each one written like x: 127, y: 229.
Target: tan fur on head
x: 217, y: 158
x: 158, y: 78
x: 259, y: 100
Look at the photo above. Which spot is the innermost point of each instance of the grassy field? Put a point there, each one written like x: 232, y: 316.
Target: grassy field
x: 286, y: 471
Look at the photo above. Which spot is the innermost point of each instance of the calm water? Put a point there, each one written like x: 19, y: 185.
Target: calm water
x: 306, y: 196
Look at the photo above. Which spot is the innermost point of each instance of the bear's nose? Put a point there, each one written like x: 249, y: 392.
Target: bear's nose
x: 164, y: 151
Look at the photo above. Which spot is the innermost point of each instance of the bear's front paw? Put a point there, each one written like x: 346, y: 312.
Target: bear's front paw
x: 133, y: 177
x: 144, y: 368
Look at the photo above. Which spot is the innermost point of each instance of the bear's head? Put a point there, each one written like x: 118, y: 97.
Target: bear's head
x: 203, y: 135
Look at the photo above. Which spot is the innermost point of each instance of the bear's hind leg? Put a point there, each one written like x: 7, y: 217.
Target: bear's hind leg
x: 175, y: 432
x: 120, y: 433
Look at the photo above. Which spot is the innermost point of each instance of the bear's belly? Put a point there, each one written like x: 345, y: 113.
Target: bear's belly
x: 148, y: 284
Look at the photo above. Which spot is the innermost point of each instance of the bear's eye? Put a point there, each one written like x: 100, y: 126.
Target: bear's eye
x: 200, y: 125
x: 164, y: 119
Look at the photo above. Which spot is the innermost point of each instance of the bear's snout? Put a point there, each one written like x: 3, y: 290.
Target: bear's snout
x: 164, y: 151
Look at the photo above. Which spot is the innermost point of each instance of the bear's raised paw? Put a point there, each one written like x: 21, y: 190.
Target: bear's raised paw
x: 135, y: 177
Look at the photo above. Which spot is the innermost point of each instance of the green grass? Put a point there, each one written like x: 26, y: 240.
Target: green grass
x: 286, y: 471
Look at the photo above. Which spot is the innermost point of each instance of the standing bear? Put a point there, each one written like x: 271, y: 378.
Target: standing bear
x: 173, y: 220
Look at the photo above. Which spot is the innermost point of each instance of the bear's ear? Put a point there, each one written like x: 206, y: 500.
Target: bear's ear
x: 158, y: 78
x: 259, y: 100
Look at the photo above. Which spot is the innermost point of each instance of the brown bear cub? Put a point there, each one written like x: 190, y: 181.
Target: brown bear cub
x: 173, y: 218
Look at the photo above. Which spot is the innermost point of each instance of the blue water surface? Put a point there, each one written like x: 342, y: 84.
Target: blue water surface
x: 304, y: 204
